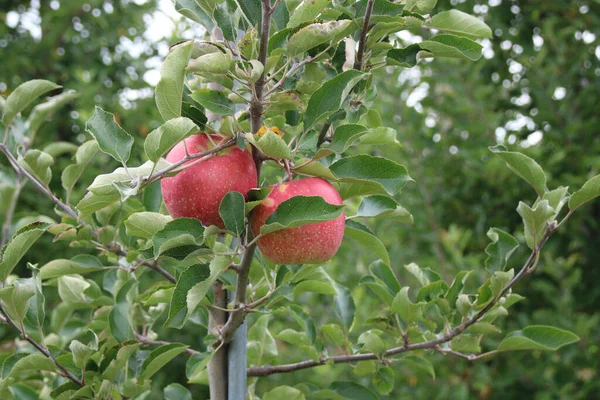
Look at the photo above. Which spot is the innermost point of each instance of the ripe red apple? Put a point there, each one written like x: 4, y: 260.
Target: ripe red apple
x: 306, y: 244
x: 197, y: 191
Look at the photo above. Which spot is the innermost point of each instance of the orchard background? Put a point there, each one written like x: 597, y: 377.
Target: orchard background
x: 535, y: 91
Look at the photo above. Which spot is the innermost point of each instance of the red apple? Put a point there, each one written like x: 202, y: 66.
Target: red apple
x: 197, y: 191
x: 306, y: 244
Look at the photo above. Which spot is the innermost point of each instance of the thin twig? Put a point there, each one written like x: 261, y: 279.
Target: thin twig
x: 208, y: 153
x: 40, y: 348
x: 150, y: 264
x: 146, y: 340
x: 407, y: 347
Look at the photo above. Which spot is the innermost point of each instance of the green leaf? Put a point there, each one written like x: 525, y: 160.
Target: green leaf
x: 33, y: 363
x: 457, y: 286
x: 178, y: 310
x: 197, y: 293
x: 383, y: 271
x: 82, y: 352
x: 314, y: 286
x: 162, y: 139
x: 42, y: 112
x: 344, y: 306
x: 352, y: 391
x: 314, y: 168
x: 460, y: 23
x: 293, y: 337
x: 386, y: 176
x: 466, y: 343
x: 333, y: 333
x: 405, y: 57
x: 453, y: 47
x: 432, y: 291
x: 38, y: 308
x: 384, y: 380
x: 408, y: 311
x: 424, y: 276
x: 119, y: 317
x: 524, y: 167
x: 23, y: 392
x: 178, y: 233
x: 175, y: 391
x: 145, y: 224
x: 215, y: 101
x: 306, y: 11
x: 316, y: 34
x: 84, y: 155
x: 345, y: 136
x: 192, y: 10
x: 71, y: 289
x: 483, y: 328
x: 422, y: 6
x: 272, y: 145
x: 211, y: 63
x: 499, y: 251
x: 589, y: 191
x: 327, y: 99
x: 383, y: 206
x: 371, y: 341
x: 15, y: 298
x: 117, y: 365
x: 195, y: 365
x: 38, y: 164
x: 226, y: 16
x: 380, y: 7
x: 301, y: 210
x: 261, y: 345
x: 362, y: 235
x: 535, y: 221
x: 252, y: 10
x: 284, y: 392
x: 112, y: 139
x: 23, y: 95
x: 418, y: 363
x: 231, y: 211
x: 557, y: 198
x: 380, y: 136
x: 538, y: 337
x: 169, y: 90
x: 80, y: 264
x: 16, y: 248
x: 159, y: 357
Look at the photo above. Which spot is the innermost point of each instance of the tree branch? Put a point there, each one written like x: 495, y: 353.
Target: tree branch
x: 237, y: 316
x: 71, y: 212
x: 358, y: 62
x: 363, y: 36
x: 431, y: 344
x: 41, y: 187
x: 40, y: 348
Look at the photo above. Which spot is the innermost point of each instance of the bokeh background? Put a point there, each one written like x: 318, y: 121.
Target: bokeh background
x: 536, y: 89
